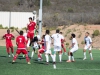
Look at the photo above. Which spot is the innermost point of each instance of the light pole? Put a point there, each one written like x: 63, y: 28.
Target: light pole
x: 40, y: 18
x: 35, y: 15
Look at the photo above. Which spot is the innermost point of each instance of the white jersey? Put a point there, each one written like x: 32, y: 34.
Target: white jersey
x: 25, y: 35
x: 88, y: 40
x: 48, y: 39
x: 57, y: 39
x: 38, y: 36
x: 76, y: 44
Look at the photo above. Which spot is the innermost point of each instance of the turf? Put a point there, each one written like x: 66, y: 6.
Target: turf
x: 79, y: 67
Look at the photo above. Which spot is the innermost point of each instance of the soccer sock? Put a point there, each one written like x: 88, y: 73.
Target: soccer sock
x: 39, y: 56
x: 47, y: 58
x: 73, y: 58
x: 91, y: 55
x: 12, y: 50
x: 69, y: 57
x: 8, y: 51
x: 15, y: 57
x: 60, y: 57
x: 84, y: 54
x: 54, y: 58
x: 32, y: 53
x: 27, y: 59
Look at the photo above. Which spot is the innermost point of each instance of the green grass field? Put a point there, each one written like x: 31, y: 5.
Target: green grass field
x: 79, y: 67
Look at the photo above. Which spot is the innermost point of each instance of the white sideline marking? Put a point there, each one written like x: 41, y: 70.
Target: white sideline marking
x: 76, y: 69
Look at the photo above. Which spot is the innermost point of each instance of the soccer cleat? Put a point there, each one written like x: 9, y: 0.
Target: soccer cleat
x: 9, y: 56
x: 28, y: 63
x: 47, y: 63
x: 12, y: 55
x: 91, y: 58
x: 13, y: 62
x: 68, y: 61
x: 73, y: 60
x: 84, y: 58
x: 54, y: 66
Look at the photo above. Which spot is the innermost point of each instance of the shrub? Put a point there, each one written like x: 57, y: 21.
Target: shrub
x: 82, y: 42
x: 11, y: 27
x: 24, y: 28
x: 70, y: 10
x: 96, y: 33
x: 69, y: 30
x: 67, y: 44
x: 79, y: 35
x: 1, y: 27
x: 12, y: 30
x: 5, y: 27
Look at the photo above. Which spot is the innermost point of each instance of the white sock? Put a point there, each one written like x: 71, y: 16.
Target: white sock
x: 51, y: 56
x: 69, y: 57
x: 32, y: 53
x: 84, y: 54
x: 91, y: 55
x: 47, y: 58
x: 60, y: 57
x: 54, y: 58
x: 73, y: 58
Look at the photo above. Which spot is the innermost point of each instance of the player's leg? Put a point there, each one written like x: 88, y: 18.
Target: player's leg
x: 40, y: 52
x: 47, y: 58
x: 33, y: 51
x: 60, y: 56
x: 69, y: 57
x: 26, y: 55
x: 84, y: 52
x: 12, y: 50
x: 7, y: 49
x: 28, y: 47
x: 64, y: 49
x: 90, y: 52
x: 54, y: 60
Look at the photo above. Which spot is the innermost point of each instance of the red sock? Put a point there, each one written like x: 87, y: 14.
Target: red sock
x: 39, y: 56
x: 12, y: 50
x: 63, y: 48
x: 8, y: 51
x: 15, y: 57
x: 61, y: 51
x: 27, y: 58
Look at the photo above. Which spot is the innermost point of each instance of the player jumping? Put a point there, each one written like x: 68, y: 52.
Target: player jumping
x: 9, y: 44
x: 21, y: 47
x: 88, y: 44
x: 73, y: 47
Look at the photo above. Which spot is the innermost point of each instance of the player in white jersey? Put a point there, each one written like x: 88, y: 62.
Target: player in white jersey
x: 73, y: 48
x: 88, y: 44
x: 57, y: 45
x: 47, y: 45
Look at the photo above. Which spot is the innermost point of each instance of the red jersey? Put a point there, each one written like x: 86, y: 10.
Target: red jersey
x: 31, y: 26
x: 21, y: 42
x: 8, y: 37
x: 42, y: 42
x: 62, y: 40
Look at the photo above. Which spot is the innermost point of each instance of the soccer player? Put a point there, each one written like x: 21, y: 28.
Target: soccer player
x: 35, y: 43
x: 88, y: 44
x: 62, y: 45
x: 57, y: 46
x: 9, y: 44
x: 47, y: 45
x: 73, y: 48
x: 31, y: 29
x: 21, y: 47
x: 42, y: 49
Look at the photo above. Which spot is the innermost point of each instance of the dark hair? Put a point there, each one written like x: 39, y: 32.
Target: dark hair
x: 73, y: 35
x: 30, y: 18
x: 21, y: 32
x: 57, y: 31
x: 47, y: 31
x: 87, y: 32
x: 8, y: 30
x: 60, y: 32
x: 43, y: 36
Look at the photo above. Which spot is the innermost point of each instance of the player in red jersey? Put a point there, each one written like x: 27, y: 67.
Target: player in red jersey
x: 62, y: 45
x: 42, y: 50
x: 21, y: 47
x: 8, y: 36
x: 31, y: 29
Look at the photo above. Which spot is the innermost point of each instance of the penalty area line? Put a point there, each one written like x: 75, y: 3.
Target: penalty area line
x: 76, y: 69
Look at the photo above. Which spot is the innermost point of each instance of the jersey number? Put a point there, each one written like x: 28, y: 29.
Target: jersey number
x: 20, y: 39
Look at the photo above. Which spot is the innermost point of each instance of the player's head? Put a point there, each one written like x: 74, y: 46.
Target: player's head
x: 8, y: 31
x: 73, y: 35
x: 57, y: 31
x: 30, y: 19
x: 60, y: 32
x: 21, y: 32
x: 47, y: 32
x: 87, y: 34
x: 43, y: 36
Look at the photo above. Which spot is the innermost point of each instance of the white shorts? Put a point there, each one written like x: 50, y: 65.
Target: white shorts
x: 48, y: 51
x: 57, y: 48
x: 87, y: 47
x: 73, y: 50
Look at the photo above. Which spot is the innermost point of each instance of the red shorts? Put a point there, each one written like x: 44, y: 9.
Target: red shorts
x: 9, y: 44
x: 41, y: 50
x: 30, y: 35
x: 62, y: 45
x: 21, y: 51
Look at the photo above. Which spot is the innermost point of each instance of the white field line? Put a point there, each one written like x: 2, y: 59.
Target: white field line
x: 76, y: 69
